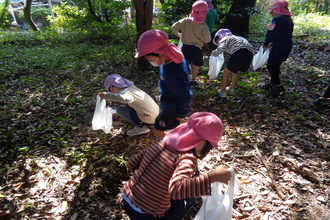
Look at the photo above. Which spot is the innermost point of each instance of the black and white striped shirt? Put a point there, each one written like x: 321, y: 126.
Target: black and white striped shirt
x: 232, y: 44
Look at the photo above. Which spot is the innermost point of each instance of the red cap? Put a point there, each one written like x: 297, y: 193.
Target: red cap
x: 200, y: 126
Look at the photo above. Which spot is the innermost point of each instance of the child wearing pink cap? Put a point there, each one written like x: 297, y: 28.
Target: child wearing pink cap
x: 194, y: 33
x: 173, y: 84
x: 279, y: 39
x: 163, y: 183
x: 138, y: 107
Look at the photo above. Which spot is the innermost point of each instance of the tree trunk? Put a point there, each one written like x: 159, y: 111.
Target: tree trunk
x: 27, y: 15
x: 143, y: 16
x: 92, y: 12
x: 144, y: 10
x: 237, y: 20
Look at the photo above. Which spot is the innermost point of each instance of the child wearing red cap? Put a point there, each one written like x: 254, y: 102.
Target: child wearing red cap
x: 279, y: 39
x: 194, y: 33
x: 163, y: 183
x: 173, y: 84
x: 139, y: 108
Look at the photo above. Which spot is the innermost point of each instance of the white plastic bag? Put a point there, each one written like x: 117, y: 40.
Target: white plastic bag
x: 215, y: 64
x: 219, y: 206
x: 102, y: 118
x: 180, y: 44
x: 260, y: 58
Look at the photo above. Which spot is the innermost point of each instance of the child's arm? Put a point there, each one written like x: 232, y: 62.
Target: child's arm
x: 176, y: 27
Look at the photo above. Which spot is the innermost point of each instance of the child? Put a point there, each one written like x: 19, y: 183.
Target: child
x: 324, y: 98
x: 163, y: 184
x: 139, y: 108
x: 241, y: 55
x: 174, y: 87
x: 212, y: 16
x: 279, y: 38
x: 194, y: 33
x: 211, y: 19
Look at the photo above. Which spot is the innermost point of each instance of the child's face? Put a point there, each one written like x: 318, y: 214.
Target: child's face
x: 114, y: 89
x: 154, y: 60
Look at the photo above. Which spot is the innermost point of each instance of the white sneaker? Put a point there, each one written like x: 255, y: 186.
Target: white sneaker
x: 137, y: 131
x: 222, y: 94
x: 230, y: 90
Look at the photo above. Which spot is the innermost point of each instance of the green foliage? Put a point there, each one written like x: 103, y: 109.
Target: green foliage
x: 314, y: 24
x: 174, y: 10
x: 78, y: 22
x: 309, y: 6
x: 109, y: 11
x: 4, y: 14
x: 39, y: 15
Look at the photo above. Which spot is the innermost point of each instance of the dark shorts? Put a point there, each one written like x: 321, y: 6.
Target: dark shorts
x: 278, y: 55
x: 166, y: 119
x: 193, y: 54
x: 178, y: 209
x: 240, y: 61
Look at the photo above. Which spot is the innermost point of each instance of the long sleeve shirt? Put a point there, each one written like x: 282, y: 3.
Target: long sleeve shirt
x: 279, y: 33
x: 232, y: 44
x: 192, y: 33
x: 159, y: 174
x: 212, y: 17
x: 145, y: 107
x: 174, y: 86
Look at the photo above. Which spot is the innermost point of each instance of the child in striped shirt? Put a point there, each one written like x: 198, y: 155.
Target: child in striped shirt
x: 241, y: 55
x: 163, y: 183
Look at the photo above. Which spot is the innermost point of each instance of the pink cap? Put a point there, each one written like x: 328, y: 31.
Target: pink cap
x: 280, y: 7
x: 156, y: 41
x: 117, y: 81
x: 199, y: 12
x: 200, y: 126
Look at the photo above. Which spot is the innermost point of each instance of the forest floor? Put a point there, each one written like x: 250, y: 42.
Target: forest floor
x: 54, y: 166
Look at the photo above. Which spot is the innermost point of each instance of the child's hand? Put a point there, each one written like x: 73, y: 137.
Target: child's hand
x: 215, y: 53
x: 101, y: 94
x: 220, y: 174
x: 182, y: 120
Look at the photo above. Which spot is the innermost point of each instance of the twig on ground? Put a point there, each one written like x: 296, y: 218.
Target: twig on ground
x: 273, y: 183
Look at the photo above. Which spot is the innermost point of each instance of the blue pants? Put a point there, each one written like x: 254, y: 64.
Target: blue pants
x: 178, y: 209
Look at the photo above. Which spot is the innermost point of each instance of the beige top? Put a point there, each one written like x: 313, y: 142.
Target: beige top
x: 145, y: 107
x: 192, y: 33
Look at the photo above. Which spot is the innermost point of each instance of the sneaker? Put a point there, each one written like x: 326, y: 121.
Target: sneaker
x: 222, y: 94
x: 267, y: 86
x: 194, y: 82
x: 137, y: 131
x: 230, y: 90
x: 320, y: 101
x: 276, y: 90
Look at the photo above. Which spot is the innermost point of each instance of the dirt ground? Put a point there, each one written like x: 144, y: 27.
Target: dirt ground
x: 278, y: 147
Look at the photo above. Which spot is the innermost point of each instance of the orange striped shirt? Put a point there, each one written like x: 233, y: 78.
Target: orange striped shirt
x: 159, y: 174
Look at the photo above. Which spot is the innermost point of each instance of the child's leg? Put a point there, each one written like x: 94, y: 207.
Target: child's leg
x: 194, y: 72
x: 158, y: 134
x: 326, y: 94
x: 235, y: 80
x: 225, y: 78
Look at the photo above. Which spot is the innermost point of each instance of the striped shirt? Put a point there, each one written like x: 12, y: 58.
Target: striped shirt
x: 159, y: 174
x: 232, y: 44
